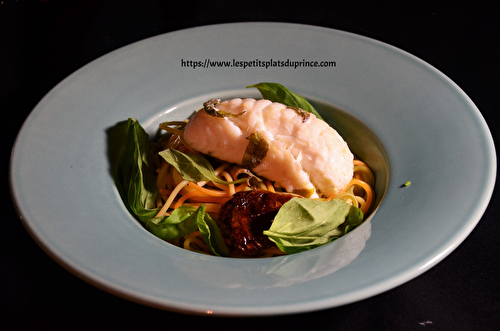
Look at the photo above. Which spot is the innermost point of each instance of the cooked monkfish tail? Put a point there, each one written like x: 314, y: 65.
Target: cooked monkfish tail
x: 299, y: 152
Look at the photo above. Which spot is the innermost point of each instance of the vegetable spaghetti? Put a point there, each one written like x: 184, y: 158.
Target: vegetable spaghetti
x: 175, y: 191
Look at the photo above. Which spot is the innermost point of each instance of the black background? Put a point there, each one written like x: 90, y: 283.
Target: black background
x: 42, y: 42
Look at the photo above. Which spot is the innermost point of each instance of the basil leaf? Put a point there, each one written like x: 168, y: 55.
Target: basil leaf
x: 211, y: 233
x: 132, y: 168
x: 278, y: 93
x: 211, y: 109
x: 192, y: 167
x: 302, y: 224
x: 181, y: 222
x: 256, y: 150
x: 135, y: 180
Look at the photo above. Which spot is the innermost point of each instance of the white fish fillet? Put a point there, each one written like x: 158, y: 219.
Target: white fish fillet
x: 304, y: 155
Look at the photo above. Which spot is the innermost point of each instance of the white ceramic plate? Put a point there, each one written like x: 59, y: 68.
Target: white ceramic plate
x: 422, y: 128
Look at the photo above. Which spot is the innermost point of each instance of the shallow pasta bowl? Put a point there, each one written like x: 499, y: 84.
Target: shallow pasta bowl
x: 406, y: 119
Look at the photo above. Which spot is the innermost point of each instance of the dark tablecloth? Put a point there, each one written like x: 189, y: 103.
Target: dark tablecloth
x: 42, y: 42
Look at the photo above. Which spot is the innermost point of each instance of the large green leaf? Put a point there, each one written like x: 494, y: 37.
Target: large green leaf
x: 194, y: 168
x: 136, y: 182
x: 302, y: 224
x: 132, y: 169
x: 211, y: 233
x: 180, y: 223
x: 278, y: 93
